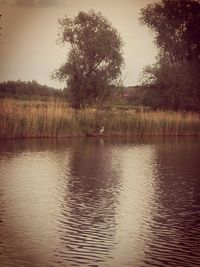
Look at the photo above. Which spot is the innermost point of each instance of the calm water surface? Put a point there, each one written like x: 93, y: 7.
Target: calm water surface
x: 100, y: 202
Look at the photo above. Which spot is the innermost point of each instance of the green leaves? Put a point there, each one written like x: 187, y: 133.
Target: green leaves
x: 95, y: 58
x: 173, y: 82
x: 176, y: 27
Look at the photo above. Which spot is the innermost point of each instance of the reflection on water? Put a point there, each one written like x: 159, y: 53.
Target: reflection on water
x: 175, y: 239
x: 87, y: 219
x: 94, y: 202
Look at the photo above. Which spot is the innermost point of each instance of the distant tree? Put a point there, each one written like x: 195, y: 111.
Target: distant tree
x: 173, y: 81
x: 94, y: 59
x: 28, y: 90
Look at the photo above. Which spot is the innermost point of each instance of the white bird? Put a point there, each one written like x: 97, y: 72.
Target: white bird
x: 97, y: 132
x: 101, y: 130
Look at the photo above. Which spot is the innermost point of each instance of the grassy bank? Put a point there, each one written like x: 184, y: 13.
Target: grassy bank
x: 55, y: 119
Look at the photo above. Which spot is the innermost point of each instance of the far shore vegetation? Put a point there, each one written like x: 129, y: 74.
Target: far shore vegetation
x: 165, y: 103
x: 54, y: 118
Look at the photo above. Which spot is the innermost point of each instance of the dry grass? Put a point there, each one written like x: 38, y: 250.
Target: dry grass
x: 55, y: 119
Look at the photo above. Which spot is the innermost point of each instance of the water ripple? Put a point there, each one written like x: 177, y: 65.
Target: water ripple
x: 99, y: 203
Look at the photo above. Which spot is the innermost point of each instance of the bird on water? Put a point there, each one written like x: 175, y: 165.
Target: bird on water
x: 96, y: 132
x: 101, y: 130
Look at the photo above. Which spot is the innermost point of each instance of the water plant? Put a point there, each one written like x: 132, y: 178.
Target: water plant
x: 55, y: 119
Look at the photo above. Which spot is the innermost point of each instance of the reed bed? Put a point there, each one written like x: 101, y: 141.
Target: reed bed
x: 56, y: 119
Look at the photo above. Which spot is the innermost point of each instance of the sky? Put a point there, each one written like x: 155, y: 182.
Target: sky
x: 28, y: 48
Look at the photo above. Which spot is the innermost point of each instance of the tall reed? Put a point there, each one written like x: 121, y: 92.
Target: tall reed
x: 56, y: 119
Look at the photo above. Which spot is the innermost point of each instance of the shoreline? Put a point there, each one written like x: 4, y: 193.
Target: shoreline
x: 81, y: 136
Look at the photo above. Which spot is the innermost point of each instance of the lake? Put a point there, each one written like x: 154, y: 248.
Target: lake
x: 100, y: 202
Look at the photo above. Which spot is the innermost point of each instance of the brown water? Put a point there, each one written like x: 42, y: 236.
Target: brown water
x: 94, y: 202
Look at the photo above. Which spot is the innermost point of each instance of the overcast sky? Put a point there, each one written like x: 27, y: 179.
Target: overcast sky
x: 28, y: 49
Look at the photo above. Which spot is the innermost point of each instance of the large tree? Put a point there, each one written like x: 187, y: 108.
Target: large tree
x: 94, y: 58
x: 176, y: 27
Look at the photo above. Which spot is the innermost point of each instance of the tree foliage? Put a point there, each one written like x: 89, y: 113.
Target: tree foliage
x: 174, y: 79
x: 176, y: 27
x: 94, y: 58
x: 172, y: 87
